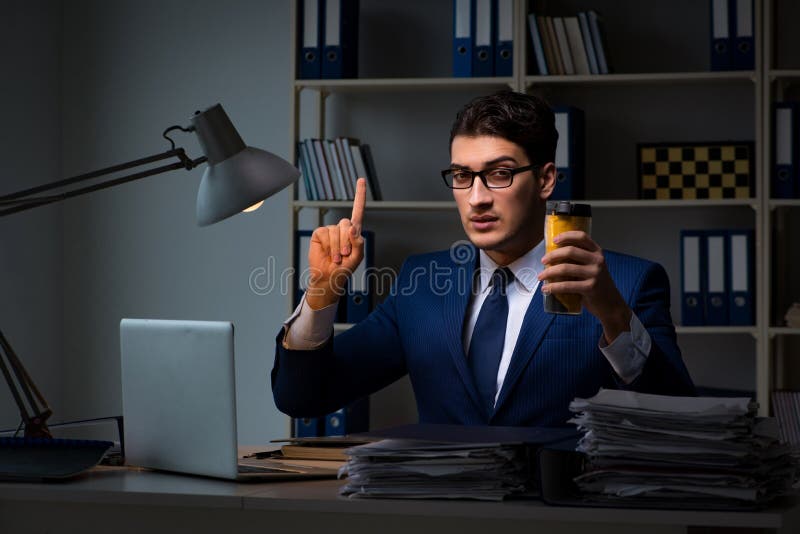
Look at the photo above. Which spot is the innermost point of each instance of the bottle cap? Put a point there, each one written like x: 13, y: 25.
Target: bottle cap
x: 565, y: 207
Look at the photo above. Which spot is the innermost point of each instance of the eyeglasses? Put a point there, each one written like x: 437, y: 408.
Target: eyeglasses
x: 496, y: 178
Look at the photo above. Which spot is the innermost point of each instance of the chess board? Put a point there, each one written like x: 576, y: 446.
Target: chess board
x: 696, y: 170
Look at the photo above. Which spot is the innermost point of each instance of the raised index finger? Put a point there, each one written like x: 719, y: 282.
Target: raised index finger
x: 358, y: 204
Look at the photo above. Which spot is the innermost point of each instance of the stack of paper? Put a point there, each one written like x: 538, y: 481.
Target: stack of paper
x: 656, y: 449
x: 417, y: 469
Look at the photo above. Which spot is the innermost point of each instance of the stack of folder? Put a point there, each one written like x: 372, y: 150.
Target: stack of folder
x: 568, y: 45
x: 427, y: 461
x: 483, y: 38
x: 394, y: 468
x: 687, y: 452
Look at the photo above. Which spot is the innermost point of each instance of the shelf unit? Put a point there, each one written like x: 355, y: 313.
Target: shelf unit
x: 757, y: 81
x: 781, y: 81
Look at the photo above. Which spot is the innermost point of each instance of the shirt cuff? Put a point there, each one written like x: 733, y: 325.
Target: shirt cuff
x: 628, y: 353
x: 308, y: 329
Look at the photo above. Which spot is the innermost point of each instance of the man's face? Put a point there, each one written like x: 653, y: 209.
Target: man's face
x: 507, y: 222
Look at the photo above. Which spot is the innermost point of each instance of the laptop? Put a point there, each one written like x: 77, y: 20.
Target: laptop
x: 179, y: 402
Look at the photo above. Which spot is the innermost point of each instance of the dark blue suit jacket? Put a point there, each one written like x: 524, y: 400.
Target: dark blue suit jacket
x: 417, y: 330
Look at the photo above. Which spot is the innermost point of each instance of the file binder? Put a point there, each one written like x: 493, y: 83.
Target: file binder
x: 538, y: 46
x: 359, y: 294
x: 551, y: 52
x: 504, y: 38
x: 302, y: 242
x: 325, y: 169
x: 340, y: 37
x: 743, y: 50
x: 785, y: 169
x: 692, y: 279
x: 717, y: 296
x: 310, y: 64
x: 563, y: 45
x: 305, y: 170
x: 307, y: 427
x: 342, y: 145
x: 576, y: 46
x: 348, y: 420
x: 570, y: 150
x: 361, y: 169
x: 721, y: 53
x: 591, y: 55
x: 372, y: 175
x: 742, y: 277
x: 483, y: 50
x: 335, y: 170
x: 463, y: 38
x: 311, y: 162
x: 597, y: 42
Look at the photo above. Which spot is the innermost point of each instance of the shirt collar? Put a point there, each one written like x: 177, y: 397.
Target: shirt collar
x: 526, y: 268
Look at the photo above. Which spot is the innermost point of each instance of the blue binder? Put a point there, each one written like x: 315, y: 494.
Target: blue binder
x: 305, y: 170
x: 302, y: 241
x: 785, y: 155
x: 692, y: 279
x: 717, y: 278
x: 597, y: 41
x: 538, y: 46
x: 570, y: 152
x: 310, y: 37
x: 586, y: 33
x: 359, y: 292
x: 463, y: 41
x: 308, y: 427
x: 743, y: 50
x: 503, y: 11
x: 721, y: 53
x: 483, y: 49
x: 348, y: 420
x: 340, y: 39
x: 742, y: 277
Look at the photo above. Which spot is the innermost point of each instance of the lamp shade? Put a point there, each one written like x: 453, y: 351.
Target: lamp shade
x: 237, y: 176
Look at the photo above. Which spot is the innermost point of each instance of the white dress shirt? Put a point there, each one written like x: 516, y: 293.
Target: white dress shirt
x: 308, y: 329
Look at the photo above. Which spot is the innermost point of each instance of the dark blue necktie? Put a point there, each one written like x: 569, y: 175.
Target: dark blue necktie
x: 486, y: 346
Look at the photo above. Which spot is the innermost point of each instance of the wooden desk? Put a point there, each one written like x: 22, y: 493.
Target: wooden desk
x: 121, y: 501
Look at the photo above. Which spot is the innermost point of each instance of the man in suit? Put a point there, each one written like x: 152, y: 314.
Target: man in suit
x: 468, y: 324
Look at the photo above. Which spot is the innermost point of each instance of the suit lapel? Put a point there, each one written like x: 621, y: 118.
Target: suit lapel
x: 455, y: 307
x: 534, y: 327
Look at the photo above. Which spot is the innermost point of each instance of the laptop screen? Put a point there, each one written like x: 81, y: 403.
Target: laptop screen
x: 179, y: 396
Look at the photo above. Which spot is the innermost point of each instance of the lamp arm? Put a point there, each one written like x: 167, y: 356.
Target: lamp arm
x: 88, y: 176
x: 23, y: 388
x: 23, y: 200
x: 36, y: 419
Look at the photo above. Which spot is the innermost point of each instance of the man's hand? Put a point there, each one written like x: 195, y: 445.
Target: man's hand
x: 579, y: 262
x: 334, y: 253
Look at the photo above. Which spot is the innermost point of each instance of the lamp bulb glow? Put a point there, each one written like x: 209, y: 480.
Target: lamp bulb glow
x: 254, y: 207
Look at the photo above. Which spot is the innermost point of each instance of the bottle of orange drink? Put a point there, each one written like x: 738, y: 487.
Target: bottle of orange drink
x: 561, y: 216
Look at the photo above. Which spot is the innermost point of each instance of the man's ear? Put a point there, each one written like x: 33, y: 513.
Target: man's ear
x: 547, y: 180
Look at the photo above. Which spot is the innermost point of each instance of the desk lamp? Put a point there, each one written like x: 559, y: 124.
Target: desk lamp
x: 238, y: 178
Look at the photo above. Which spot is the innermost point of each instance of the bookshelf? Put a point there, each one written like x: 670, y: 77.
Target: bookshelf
x: 781, y: 217
x: 662, y: 88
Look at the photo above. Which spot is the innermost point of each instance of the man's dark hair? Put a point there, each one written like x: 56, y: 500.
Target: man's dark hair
x: 522, y: 119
